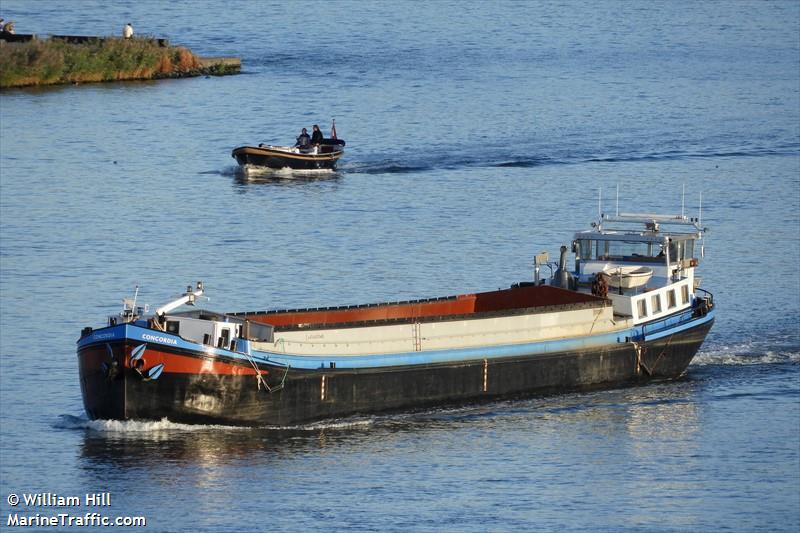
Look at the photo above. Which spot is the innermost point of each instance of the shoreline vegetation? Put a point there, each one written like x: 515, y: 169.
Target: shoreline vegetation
x: 54, y: 61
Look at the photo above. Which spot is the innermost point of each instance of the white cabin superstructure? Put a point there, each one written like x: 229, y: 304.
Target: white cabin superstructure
x: 633, y: 244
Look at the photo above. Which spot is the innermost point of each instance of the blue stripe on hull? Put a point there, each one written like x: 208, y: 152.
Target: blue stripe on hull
x: 645, y: 332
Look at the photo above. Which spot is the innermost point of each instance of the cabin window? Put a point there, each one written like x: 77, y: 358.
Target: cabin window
x: 673, y: 252
x: 656, y: 303
x: 585, y: 249
x: 224, y: 338
x: 602, y: 250
x: 623, y: 250
x: 685, y: 294
x: 642, y: 305
x: 681, y: 250
x: 173, y: 326
x: 626, y: 251
x: 671, y: 299
x: 688, y: 249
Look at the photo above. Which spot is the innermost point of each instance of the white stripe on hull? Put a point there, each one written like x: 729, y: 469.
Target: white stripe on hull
x: 445, y: 335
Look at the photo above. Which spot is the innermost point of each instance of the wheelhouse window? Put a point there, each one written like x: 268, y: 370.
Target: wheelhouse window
x: 619, y: 250
x: 685, y: 294
x: 681, y: 250
x: 585, y: 249
x: 174, y: 327
x: 642, y: 308
x: 688, y: 249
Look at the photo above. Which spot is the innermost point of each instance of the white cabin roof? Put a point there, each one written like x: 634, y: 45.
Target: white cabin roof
x: 643, y: 227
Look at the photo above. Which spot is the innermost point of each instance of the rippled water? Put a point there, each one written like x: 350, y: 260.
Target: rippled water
x: 478, y: 135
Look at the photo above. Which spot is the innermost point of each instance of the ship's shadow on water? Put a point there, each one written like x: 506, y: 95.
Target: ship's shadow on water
x: 153, y: 444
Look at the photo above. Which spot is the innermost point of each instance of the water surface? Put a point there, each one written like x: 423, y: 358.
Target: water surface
x: 477, y: 136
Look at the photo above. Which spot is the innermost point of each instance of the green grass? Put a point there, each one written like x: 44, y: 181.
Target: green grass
x: 53, y: 61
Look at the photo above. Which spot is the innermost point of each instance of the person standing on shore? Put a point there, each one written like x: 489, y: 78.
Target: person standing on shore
x: 127, y: 31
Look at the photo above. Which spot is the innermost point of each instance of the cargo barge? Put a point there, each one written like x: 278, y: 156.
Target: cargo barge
x: 630, y: 311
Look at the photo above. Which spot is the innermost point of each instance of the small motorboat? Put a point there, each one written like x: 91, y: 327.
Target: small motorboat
x: 320, y: 155
x: 628, y: 277
x: 316, y: 157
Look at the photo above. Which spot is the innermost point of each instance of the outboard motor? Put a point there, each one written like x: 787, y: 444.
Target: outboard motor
x: 563, y: 278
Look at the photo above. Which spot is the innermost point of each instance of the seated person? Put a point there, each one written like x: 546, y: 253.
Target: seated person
x: 316, y: 135
x: 303, y: 141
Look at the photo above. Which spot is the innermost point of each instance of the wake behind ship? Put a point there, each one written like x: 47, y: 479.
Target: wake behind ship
x: 630, y: 311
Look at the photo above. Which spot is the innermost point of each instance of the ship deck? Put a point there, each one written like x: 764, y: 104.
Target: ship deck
x: 518, y: 299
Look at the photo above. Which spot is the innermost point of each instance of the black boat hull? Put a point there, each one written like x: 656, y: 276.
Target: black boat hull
x: 258, y: 157
x: 234, y: 396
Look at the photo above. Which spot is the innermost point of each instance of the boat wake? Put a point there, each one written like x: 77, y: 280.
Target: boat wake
x: 136, y: 427
x: 231, y: 170
x: 346, y: 423
x: 269, y: 175
x: 384, y: 167
x: 501, y: 157
x: 159, y: 427
x: 746, y: 353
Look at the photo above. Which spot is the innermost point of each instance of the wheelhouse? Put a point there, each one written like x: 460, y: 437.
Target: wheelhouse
x: 650, y: 260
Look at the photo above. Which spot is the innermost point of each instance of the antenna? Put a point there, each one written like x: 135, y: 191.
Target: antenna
x: 617, y: 199
x: 700, y: 218
x: 600, y: 202
x: 683, y: 199
x: 700, y: 225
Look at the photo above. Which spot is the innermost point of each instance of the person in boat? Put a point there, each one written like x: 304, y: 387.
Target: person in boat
x: 303, y: 141
x: 316, y: 135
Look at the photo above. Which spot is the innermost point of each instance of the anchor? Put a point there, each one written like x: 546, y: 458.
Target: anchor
x: 137, y: 363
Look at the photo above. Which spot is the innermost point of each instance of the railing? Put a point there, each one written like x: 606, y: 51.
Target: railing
x: 709, y: 296
x: 703, y: 304
x: 665, y: 323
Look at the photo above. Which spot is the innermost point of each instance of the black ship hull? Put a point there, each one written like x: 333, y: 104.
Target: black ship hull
x: 202, y: 390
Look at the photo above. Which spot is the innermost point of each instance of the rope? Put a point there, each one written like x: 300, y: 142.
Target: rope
x: 640, y: 350
x: 639, y: 362
x: 157, y: 324
x: 260, y: 379
x: 663, y: 351
x: 599, y: 312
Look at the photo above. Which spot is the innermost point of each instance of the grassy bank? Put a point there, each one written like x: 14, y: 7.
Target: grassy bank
x: 54, y: 61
